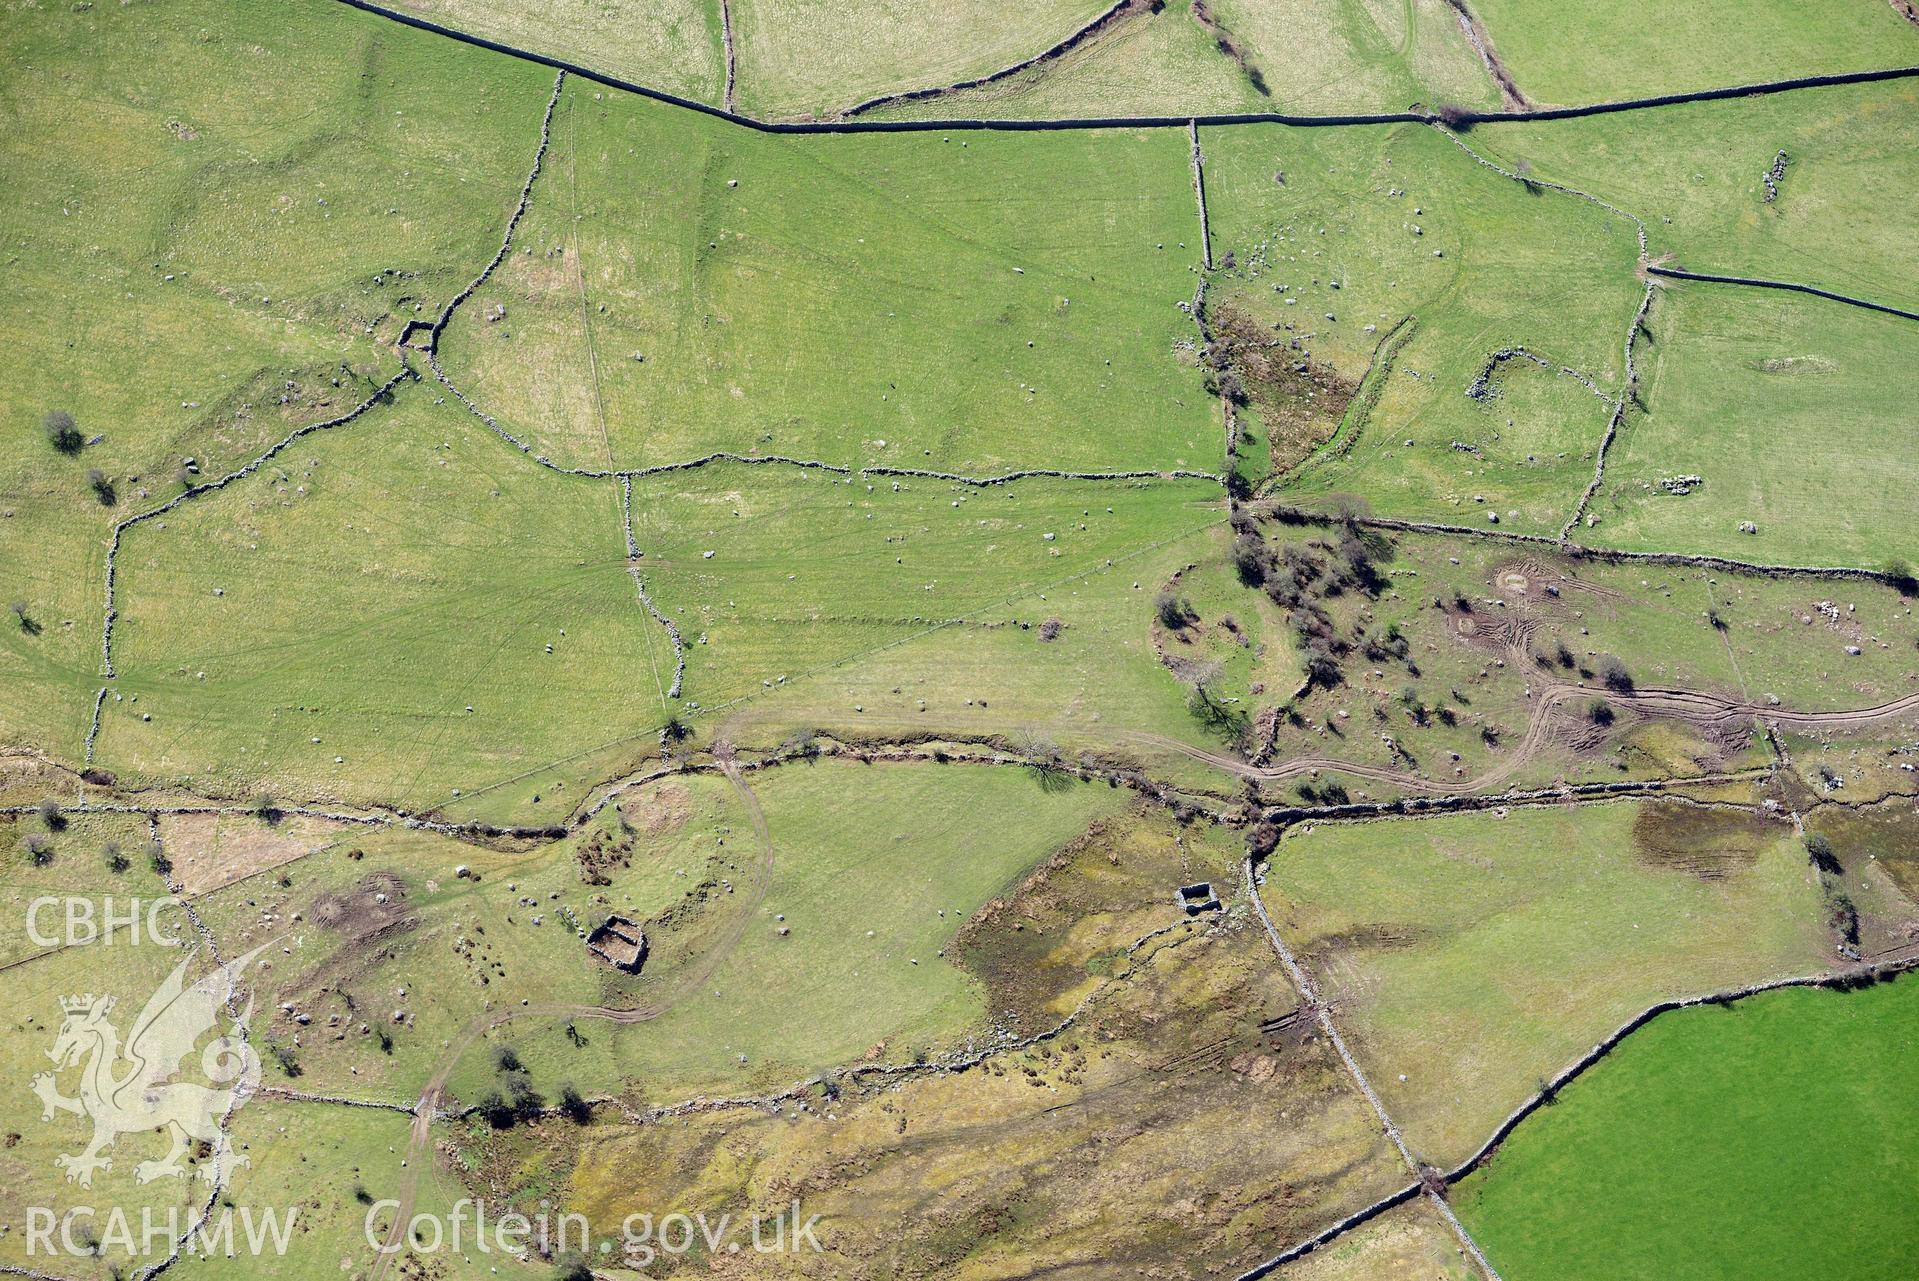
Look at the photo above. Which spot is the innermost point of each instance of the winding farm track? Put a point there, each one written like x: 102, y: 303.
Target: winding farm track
x: 1697, y: 708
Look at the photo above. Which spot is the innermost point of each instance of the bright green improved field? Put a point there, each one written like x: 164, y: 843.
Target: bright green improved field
x: 1773, y: 1139
x: 974, y: 303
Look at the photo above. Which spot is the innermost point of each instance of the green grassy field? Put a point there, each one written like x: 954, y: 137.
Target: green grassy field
x: 1840, y: 220
x: 1338, y: 236
x: 79, y: 848
x: 323, y: 627
x: 682, y: 858
x: 1639, y: 48
x: 222, y: 218
x: 907, y: 300
x: 852, y: 607
x: 1795, y: 412
x: 673, y: 46
x: 453, y: 953
x: 875, y: 870
x: 127, y: 969
x: 317, y: 1162
x: 1410, y: 1242
x: 1472, y: 957
x: 263, y: 196
x: 1324, y: 56
x: 807, y: 58
x: 1771, y: 1139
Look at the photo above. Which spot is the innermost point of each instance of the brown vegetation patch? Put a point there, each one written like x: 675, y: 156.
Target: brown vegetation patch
x: 209, y: 851
x: 602, y: 854
x: 661, y: 808
x: 1492, y: 633
x: 370, y: 919
x: 1867, y: 837
x: 1071, y: 920
x: 1119, y: 1145
x: 1711, y: 844
x: 1382, y: 936
x: 1224, y: 41
x: 1299, y: 400
x: 1674, y: 748
x: 26, y: 778
x: 371, y: 908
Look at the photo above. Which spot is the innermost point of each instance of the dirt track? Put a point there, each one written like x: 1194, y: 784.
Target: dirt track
x: 1685, y: 705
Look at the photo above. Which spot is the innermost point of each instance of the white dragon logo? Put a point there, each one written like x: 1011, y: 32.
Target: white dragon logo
x: 128, y: 1089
